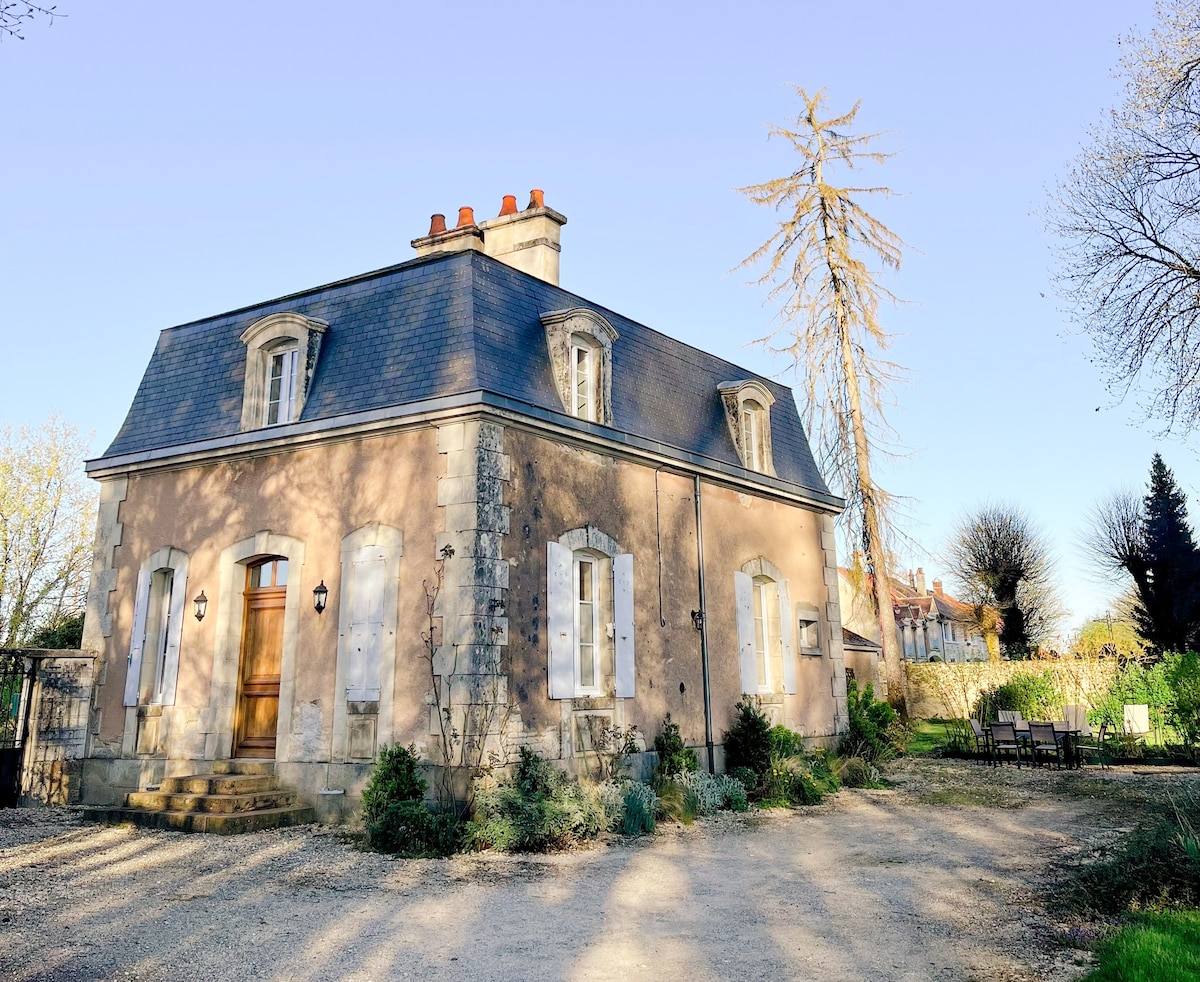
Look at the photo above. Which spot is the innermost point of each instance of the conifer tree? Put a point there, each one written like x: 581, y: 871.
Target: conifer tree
x: 817, y: 265
x: 1168, y: 612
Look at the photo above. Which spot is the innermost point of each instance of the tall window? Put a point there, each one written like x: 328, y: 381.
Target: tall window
x: 280, y: 404
x: 584, y: 364
x: 752, y: 435
x: 766, y: 628
x: 589, y: 617
x: 161, y: 592
x: 587, y: 625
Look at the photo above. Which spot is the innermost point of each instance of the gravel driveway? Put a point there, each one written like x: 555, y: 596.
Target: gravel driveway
x: 938, y: 878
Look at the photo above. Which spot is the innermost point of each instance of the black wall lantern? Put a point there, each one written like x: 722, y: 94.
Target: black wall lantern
x: 320, y: 595
x: 201, y: 603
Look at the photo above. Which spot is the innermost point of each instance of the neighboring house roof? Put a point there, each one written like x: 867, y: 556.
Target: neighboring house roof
x: 852, y: 640
x: 459, y: 325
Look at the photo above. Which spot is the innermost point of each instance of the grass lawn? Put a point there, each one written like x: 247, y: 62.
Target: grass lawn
x: 927, y: 736
x: 1154, y: 948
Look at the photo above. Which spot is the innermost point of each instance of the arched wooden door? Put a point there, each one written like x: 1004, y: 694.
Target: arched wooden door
x: 262, y: 654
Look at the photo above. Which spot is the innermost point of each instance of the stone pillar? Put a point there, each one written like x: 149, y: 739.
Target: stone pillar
x: 468, y: 661
x: 833, y: 625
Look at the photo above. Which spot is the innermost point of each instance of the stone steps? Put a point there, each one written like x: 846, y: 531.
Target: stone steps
x: 238, y: 796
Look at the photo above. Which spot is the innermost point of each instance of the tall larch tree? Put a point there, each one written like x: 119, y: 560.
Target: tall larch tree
x: 818, y: 264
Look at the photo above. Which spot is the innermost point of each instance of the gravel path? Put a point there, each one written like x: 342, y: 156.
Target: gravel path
x: 938, y: 878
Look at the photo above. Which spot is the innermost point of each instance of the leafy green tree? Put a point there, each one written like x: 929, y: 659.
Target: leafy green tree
x: 1108, y: 637
x: 817, y: 264
x: 47, y: 513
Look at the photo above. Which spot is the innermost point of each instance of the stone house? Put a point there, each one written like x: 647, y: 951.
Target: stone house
x: 930, y: 624
x: 449, y: 490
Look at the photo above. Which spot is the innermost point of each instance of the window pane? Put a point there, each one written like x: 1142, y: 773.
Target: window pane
x: 587, y: 667
x: 585, y: 580
x: 281, y: 572
x: 256, y: 577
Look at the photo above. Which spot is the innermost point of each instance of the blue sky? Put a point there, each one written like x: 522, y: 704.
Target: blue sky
x: 164, y: 162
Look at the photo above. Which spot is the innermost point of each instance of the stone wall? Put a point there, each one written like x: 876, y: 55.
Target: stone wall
x: 938, y: 690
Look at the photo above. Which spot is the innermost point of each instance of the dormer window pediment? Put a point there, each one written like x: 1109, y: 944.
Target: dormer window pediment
x: 281, y: 356
x: 580, y: 345
x: 748, y: 412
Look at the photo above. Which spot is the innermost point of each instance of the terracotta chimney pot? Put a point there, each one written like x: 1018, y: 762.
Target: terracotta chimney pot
x: 437, y: 224
x: 466, y: 216
x: 509, y: 207
x: 537, y: 198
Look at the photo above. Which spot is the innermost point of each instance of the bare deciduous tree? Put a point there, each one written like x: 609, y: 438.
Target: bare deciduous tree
x: 817, y: 266
x: 1128, y: 215
x: 1002, y: 560
x: 47, y: 513
x: 14, y: 16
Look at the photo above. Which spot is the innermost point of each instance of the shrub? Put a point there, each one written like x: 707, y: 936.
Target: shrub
x: 857, y: 773
x: 539, y: 808
x: 1157, y: 864
x: 1135, y: 685
x: 629, y: 806
x: 745, y: 777
x: 1183, y: 676
x: 674, y: 757
x: 788, y: 781
x: 1033, y: 696
x: 748, y: 740
x: 705, y: 795
x: 395, y: 816
x: 409, y: 828
x: 875, y: 732
x: 785, y: 742
x: 641, y: 806
x: 733, y: 793
x: 675, y: 804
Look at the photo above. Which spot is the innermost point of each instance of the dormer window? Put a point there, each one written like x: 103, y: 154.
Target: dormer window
x: 281, y: 356
x: 281, y: 385
x: 584, y: 371
x: 748, y: 412
x: 580, y: 344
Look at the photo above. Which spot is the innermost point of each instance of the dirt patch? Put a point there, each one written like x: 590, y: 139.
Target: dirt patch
x: 941, y: 877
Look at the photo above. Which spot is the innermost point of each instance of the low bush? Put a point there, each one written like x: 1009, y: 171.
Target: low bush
x: 789, y: 781
x: 733, y: 793
x: 748, y: 740
x: 1156, y: 865
x: 855, y: 772
x: 705, y: 794
x: 785, y: 742
x: 395, y: 816
x: 409, y: 828
x: 875, y: 732
x: 1183, y: 676
x: 745, y: 777
x: 629, y: 806
x: 674, y: 756
x: 539, y: 808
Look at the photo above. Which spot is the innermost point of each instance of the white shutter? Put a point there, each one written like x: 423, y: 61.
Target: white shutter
x: 174, y: 633
x: 366, y: 624
x: 623, y: 618
x: 743, y: 591
x: 560, y: 621
x: 137, y: 640
x: 787, y: 631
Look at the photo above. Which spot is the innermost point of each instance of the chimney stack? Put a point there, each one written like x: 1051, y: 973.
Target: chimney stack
x: 920, y: 582
x: 527, y: 240
x: 937, y: 587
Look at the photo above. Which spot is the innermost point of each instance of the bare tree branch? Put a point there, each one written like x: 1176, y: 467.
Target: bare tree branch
x: 829, y: 329
x: 15, y: 15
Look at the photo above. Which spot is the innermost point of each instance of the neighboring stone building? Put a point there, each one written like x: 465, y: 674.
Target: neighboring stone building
x: 930, y: 625
x: 612, y: 511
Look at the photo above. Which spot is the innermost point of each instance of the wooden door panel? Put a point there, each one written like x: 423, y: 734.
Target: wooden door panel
x: 262, y: 653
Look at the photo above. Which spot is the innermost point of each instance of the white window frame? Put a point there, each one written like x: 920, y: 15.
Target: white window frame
x: 282, y: 409
x: 611, y: 567
x: 579, y: 560
x: 264, y: 339
x: 142, y: 686
x: 748, y: 414
x: 567, y: 332
x: 753, y: 587
x: 589, y: 409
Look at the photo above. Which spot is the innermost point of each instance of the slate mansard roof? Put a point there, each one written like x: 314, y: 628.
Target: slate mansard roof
x: 449, y: 326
